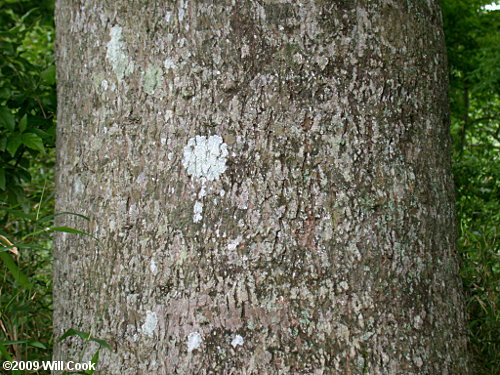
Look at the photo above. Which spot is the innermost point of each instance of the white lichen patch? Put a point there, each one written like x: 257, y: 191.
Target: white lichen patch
x: 245, y: 50
x: 322, y: 61
x: 237, y: 340
x: 182, y: 9
x: 205, y: 157
x: 78, y: 186
x: 202, y: 192
x: 197, y: 211
x: 116, y: 54
x: 149, y: 325
x: 194, y: 341
x: 233, y: 244
x: 169, y: 63
x: 298, y: 58
x: 152, y: 80
x: 152, y: 267
x: 418, y: 361
x: 343, y: 285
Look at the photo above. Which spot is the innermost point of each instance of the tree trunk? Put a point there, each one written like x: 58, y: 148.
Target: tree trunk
x: 269, y: 185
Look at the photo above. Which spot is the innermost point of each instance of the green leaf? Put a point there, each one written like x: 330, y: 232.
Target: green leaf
x: 3, y: 144
x: 33, y: 141
x: 2, y: 179
x: 7, y: 119
x: 36, y: 344
x: 7, y: 48
x: 27, y: 14
x: 51, y: 216
x: 19, y: 214
x: 73, y: 332
x: 16, y: 194
x: 40, y: 132
x: 68, y: 230
x: 94, y: 360
x: 23, y: 162
x: 4, y: 92
x: 23, y: 175
x: 22, y: 246
x: 23, y: 123
x: 49, y: 75
x: 5, y: 353
x: 15, y: 342
x: 18, y: 275
x: 13, y: 143
x: 86, y: 336
x: 95, y: 357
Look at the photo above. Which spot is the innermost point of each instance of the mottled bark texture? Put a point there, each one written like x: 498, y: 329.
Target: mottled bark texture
x: 269, y: 183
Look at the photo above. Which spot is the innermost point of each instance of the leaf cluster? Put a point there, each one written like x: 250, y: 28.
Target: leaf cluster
x: 27, y: 92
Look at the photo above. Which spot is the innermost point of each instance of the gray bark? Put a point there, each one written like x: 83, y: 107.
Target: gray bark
x: 269, y: 183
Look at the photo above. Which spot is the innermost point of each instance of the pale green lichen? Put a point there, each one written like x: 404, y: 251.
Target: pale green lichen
x: 152, y: 81
x: 122, y: 65
x: 97, y: 79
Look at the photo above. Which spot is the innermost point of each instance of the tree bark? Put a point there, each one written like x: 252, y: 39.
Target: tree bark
x: 268, y: 183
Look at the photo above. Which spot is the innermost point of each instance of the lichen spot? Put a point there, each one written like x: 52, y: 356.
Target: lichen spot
x: 169, y: 63
x: 149, y: 325
x: 205, y: 157
x: 152, y: 267
x: 152, y: 80
x: 116, y: 54
x: 197, y: 211
x: 194, y: 341
x: 237, y: 340
x: 233, y: 244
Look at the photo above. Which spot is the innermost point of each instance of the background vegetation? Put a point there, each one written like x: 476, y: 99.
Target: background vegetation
x: 473, y: 44
x: 27, y: 135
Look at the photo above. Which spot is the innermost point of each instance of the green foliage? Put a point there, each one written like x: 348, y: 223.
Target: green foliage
x: 473, y: 46
x: 27, y: 133
x: 27, y: 93
x: 478, y: 189
x: 26, y: 283
x: 473, y: 43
